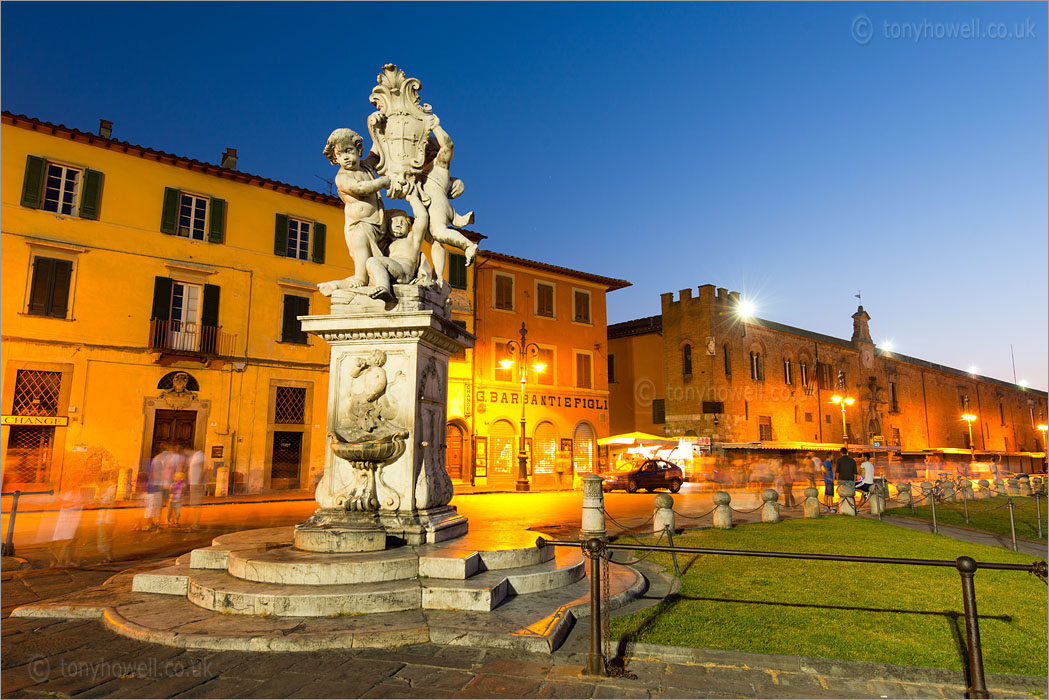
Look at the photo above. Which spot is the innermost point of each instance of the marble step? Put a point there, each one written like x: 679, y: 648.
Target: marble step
x: 169, y: 580
x: 290, y: 566
x: 220, y: 592
x: 486, y: 590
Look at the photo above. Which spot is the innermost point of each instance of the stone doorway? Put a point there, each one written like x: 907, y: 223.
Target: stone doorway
x: 173, y: 429
x: 287, y: 460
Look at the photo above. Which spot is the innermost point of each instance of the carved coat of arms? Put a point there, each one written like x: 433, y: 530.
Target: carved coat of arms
x: 400, y: 128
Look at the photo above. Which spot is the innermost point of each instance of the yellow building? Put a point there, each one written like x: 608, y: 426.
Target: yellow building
x: 150, y: 301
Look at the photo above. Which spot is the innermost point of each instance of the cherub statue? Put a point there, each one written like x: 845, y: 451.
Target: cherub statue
x: 366, y: 397
x: 402, y: 265
x: 359, y: 189
x: 438, y: 187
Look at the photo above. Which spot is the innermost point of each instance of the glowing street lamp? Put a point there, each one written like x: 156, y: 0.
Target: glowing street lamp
x: 969, y: 418
x: 522, y: 349
x: 843, y: 401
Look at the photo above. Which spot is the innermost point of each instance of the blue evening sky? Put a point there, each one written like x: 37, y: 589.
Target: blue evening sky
x: 797, y: 153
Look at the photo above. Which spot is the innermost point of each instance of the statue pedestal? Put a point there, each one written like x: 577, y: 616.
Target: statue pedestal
x: 388, y: 372
x: 336, y: 530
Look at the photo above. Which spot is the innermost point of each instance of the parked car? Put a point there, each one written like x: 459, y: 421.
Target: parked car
x: 650, y: 475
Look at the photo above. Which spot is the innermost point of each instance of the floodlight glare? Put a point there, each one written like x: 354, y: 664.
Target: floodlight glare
x: 506, y: 364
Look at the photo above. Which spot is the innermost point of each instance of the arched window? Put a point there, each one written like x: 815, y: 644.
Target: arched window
x: 686, y: 360
x: 502, y: 450
x: 757, y: 367
x: 583, y: 449
x: 545, y: 456
x: 788, y: 371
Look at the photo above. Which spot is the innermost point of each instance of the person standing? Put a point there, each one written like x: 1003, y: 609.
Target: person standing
x: 787, y: 478
x: 867, y: 472
x: 816, y: 466
x: 828, y: 480
x: 846, y: 467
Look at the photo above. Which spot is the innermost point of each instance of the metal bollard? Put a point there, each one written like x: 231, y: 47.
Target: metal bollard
x: 673, y: 555
x: 965, y: 501
x: 1012, y: 521
x: 977, y: 686
x: 594, y: 548
x: 1038, y: 507
x: 9, y: 542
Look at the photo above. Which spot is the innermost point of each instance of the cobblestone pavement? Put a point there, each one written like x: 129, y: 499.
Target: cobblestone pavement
x: 58, y: 658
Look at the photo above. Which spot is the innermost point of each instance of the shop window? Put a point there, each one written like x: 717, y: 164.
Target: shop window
x: 62, y: 189
x: 193, y: 216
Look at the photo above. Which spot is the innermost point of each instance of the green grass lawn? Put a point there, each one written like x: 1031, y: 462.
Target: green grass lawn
x: 982, y: 517
x: 866, y: 612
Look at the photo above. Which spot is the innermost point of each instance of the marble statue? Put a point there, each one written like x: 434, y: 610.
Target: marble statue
x: 411, y: 158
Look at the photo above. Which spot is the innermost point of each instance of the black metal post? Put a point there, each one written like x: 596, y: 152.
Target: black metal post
x: 9, y: 541
x: 1012, y: 522
x: 1038, y: 507
x: 595, y: 660
x: 977, y: 687
x: 932, y: 500
x: 673, y: 555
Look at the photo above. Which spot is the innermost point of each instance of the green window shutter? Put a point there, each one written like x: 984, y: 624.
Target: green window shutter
x: 39, y: 291
x: 33, y: 184
x: 291, y: 327
x: 280, y: 236
x: 161, y: 298
x: 209, y: 318
x: 217, y: 224
x: 456, y: 270
x: 320, y: 232
x: 58, y: 305
x: 91, y: 196
x: 169, y: 219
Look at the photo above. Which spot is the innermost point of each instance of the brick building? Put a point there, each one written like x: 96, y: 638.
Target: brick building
x: 749, y: 383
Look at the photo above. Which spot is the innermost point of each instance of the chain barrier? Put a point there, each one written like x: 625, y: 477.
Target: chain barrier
x: 694, y: 517
x: 744, y: 512
x: 630, y: 527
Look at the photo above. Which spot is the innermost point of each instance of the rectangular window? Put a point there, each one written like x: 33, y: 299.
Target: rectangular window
x: 728, y: 361
x: 60, y: 189
x: 49, y: 292
x: 963, y: 400
x: 808, y: 417
x: 461, y: 355
x: 823, y: 376
x: 1001, y: 409
x: 290, y: 405
x: 894, y: 404
x: 803, y: 370
x: 581, y: 302
x: 765, y: 428
x: 546, y: 377
x: 544, y: 299
x: 499, y: 373
x: 611, y: 369
x: 583, y: 378
x: 299, y: 239
x: 895, y: 436
x: 192, y: 213
x: 457, y: 271
x: 713, y: 407
x: 659, y: 411
x: 504, y: 292
x: 788, y: 372
x: 291, y: 327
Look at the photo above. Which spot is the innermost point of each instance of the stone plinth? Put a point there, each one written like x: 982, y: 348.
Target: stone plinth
x: 388, y: 375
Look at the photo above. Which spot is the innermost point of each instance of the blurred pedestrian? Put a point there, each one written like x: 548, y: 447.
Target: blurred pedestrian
x: 106, y: 521
x: 67, y: 525
x: 815, y: 467
x: 142, y: 495
x: 787, y: 478
x: 178, y: 487
x: 195, y: 465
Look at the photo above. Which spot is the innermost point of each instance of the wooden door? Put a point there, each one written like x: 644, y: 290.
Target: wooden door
x: 174, y: 430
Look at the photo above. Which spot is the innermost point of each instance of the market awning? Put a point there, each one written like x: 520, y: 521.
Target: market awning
x: 636, y: 438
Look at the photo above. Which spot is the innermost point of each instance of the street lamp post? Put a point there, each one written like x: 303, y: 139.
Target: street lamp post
x: 522, y: 349
x: 843, y: 401
x: 1045, y: 443
x: 969, y: 418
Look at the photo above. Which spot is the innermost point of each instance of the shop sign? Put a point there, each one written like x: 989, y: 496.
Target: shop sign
x: 550, y: 400
x: 35, y: 420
